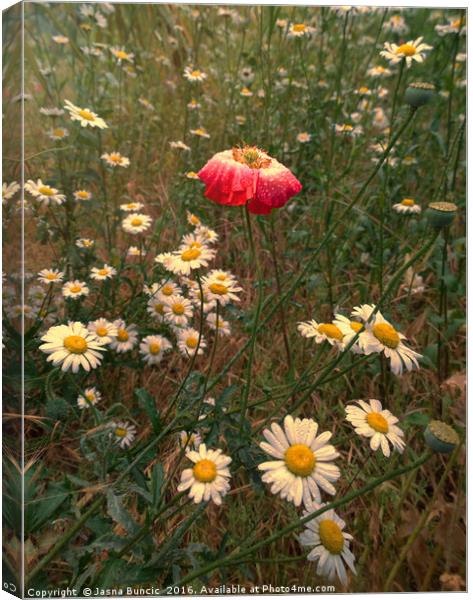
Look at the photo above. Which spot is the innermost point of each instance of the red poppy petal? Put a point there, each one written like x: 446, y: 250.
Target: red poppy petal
x: 276, y: 185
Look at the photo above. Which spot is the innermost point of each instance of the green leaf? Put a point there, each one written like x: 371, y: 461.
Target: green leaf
x: 119, y: 514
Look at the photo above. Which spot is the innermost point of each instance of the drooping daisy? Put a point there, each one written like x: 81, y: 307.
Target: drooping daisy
x: 246, y: 92
x: 411, y: 50
x: 322, y: 332
x: 82, y: 195
x: 50, y: 276
x: 220, y: 326
x: 90, y: 397
x: 133, y: 251
x: 208, y: 235
x: 182, y: 262
x: 179, y: 145
x: 44, y: 193
x: 115, y: 159
x: 221, y: 287
x: 177, y: 311
x: 188, y: 342
x: 136, y: 223
x: 104, y: 330
x: 208, y: 478
x: 407, y: 206
x: 131, y: 206
x: 126, y: 338
x: 303, y: 462
x: 193, y: 105
x: 190, y: 440
x: 9, y: 190
x: 51, y: 112
x: 194, y: 75
x: 153, y: 348
x: 413, y: 282
x: 331, y: 545
x: 120, y: 54
x: 193, y: 219
x: 103, y: 273
x: 453, y: 26
x: 373, y: 422
x: 349, y: 329
x: 58, y: 133
x: 85, y: 116
x: 75, y: 289
x: 85, y: 243
x: 72, y: 346
x: 155, y: 308
x: 122, y: 433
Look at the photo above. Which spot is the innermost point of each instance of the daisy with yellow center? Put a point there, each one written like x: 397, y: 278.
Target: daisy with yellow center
x: 82, y: 195
x: 246, y: 92
x: 201, y: 301
x: 50, y: 276
x: 379, y: 71
x: 192, y: 240
x: 321, y: 332
x: 131, y: 206
x: 85, y: 243
x: 62, y: 40
x: 136, y: 223
x: 115, y: 159
x: 104, y: 330
x: 188, y: 342
x: 190, y: 440
x: 379, y: 425
x: 222, y: 288
x: 90, y: 397
x: 303, y: 137
x: 303, y: 462
x: 208, y: 477
x: 102, y: 273
x: 396, y: 24
x: 407, y: 206
x: 182, y: 262
x: 153, y: 348
x: 155, y: 308
x: 298, y: 30
x: 348, y: 130
x: 208, y: 235
x: 72, y: 346
x: 177, y: 311
x: 9, y: 190
x: 122, y: 433
x: 349, y: 329
x: 44, y: 193
x: 126, y: 338
x: 219, y: 325
x: 59, y: 133
x: 75, y: 289
x: 330, y: 544
x: 194, y: 75
x: 120, y: 54
x: 193, y: 219
x: 453, y: 26
x: 381, y: 337
x: 200, y: 132
x: 413, y: 50
x: 85, y: 116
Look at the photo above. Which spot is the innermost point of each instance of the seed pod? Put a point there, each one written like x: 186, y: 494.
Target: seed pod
x: 419, y: 93
x: 441, y: 214
x: 440, y: 437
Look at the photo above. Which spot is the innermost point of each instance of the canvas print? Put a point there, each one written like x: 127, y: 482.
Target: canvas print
x: 233, y: 299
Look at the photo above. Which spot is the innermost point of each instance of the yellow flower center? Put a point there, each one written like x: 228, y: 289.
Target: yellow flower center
x: 363, y: 90
x: 331, y: 536
x: 299, y: 27
x: 406, y: 50
x: 195, y: 245
x: 103, y: 272
x: 115, y: 157
x: 300, y: 460
x: 456, y: 23
x: 86, y: 114
x: 121, y: 54
x: 122, y: 335
x: 167, y: 290
x: 120, y: 432
x: 136, y: 222
x: 191, y: 342
x: 331, y: 331
x: 159, y: 308
x: 218, y: 288
x: 51, y: 276
x: 196, y: 73
x: 194, y: 220
x: 191, y: 254
x: 377, y: 422
x: 154, y: 348
x: 75, y: 289
x: 178, y: 308
x: 101, y: 331
x: 356, y: 326
x: 75, y: 344
x: 58, y: 132
x: 408, y: 202
x: 386, y: 334
x: 83, y: 194
x: 45, y: 190
x: 90, y: 396
x: 251, y: 156
x: 205, y: 471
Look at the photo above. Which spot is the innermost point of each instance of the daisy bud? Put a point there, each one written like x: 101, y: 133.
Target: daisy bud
x: 419, y: 93
x: 441, y: 214
x: 440, y: 437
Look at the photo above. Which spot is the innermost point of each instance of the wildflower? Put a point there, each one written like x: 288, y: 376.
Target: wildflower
x: 208, y: 478
x: 299, y: 30
x: 105, y: 272
x: 219, y: 325
x: 407, y: 206
x: 166, y: 289
x: 200, y: 132
x: 222, y: 287
x: 131, y: 206
x: 322, y: 332
x: 396, y: 24
x: 72, y: 346
x: 380, y: 120
x: 193, y: 105
x: 123, y: 433
x: 9, y: 190
x: 120, y: 54
x: 90, y: 397
x: 153, y: 348
x: 82, y: 195
x: 51, y: 112
x: 177, y: 310
x: 85, y: 243
x: 248, y: 176
x: 182, y: 262
x: 194, y: 75
x: 373, y: 422
x: 208, y: 235
x: 201, y: 301
x: 408, y: 161
x: 155, y: 308
x: 44, y: 193
x: 189, y: 440
x: 50, y: 276
x: 115, y: 159
x: 104, y: 330
x: 379, y: 71
x: 348, y: 130
x: 136, y: 223
x: 179, y: 145
x: 85, y: 116
x: 349, y: 330
x: 58, y: 133
x: 62, y: 40
x: 413, y: 283
x: 453, y: 26
x: 126, y: 337
x: 331, y: 545
x: 133, y: 251
x: 188, y: 341
x: 192, y: 175
x: 146, y: 103
x: 411, y: 50
x: 246, y: 74
x: 246, y: 92
x: 303, y: 137
x: 303, y: 461
x: 75, y: 289
x: 193, y: 219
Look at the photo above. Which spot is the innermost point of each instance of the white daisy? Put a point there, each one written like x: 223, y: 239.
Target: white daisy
x: 120, y: 54
x: 331, y: 545
x: 51, y: 112
x: 322, y: 332
x: 105, y: 272
x: 127, y: 336
x: 50, y: 276
x: 85, y: 116
x: 190, y: 440
x: 131, y: 206
x: 453, y: 26
x: 221, y: 287
x: 44, y: 193
x: 182, y: 262
x: 72, y: 346
x: 208, y: 478
x: 58, y: 133
x: 155, y: 308
x: 407, y: 206
x: 75, y: 289
x: 85, y: 243
x: 122, y: 433
x: 208, y: 235
x: 179, y: 145
x: 165, y: 289
x: 153, y: 348
x: 373, y: 422
x: 133, y: 251
x: 188, y: 342
x: 82, y: 195
x: 115, y: 159
x: 136, y: 223
x: 60, y: 39
x: 221, y: 326
x: 192, y: 219
x: 411, y: 50
x: 201, y: 301
x: 349, y: 329
x: 177, y: 311
x: 396, y: 24
x: 9, y: 190
x: 194, y: 75
x: 303, y: 462
x: 90, y: 397
x: 379, y: 71
x: 298, y: 30
x: 200, y: 132
x: 104, y: 330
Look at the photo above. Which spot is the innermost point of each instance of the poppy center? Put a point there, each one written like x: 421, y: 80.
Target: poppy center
x: 251, y: 156
x: 300, y: 460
